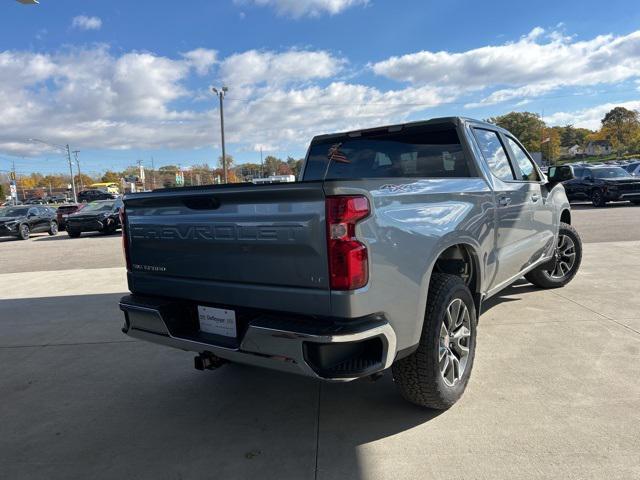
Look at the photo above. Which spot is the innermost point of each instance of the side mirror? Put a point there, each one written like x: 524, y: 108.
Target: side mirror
x: 560, y: 174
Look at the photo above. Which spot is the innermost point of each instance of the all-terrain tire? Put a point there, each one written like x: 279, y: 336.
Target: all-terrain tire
x: 418, y: 376
x: 597, y: 198
x: 542, y: 276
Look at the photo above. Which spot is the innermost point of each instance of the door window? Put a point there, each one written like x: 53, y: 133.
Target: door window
x: 494, y: 153
x: 527, y: 169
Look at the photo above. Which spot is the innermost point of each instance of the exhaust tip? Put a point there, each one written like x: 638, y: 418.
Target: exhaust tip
x: 207, y: 361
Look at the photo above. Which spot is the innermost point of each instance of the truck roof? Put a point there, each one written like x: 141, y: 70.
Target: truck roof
x: 398, y: 126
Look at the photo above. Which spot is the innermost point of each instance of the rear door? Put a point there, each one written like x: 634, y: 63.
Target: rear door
x: 514, y: 215
x: 540, y: 213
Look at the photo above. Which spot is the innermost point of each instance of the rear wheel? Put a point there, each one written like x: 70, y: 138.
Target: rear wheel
x: 597, y: 198
x: 565, y: 263
x: 24, y: 232
x: 436, y: 374
x: 53, y: 229
x: 73, y: 233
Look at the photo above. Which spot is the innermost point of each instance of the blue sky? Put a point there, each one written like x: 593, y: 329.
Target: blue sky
x: 128, y: 80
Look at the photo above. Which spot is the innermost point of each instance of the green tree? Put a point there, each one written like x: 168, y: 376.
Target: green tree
x: 295, y: 165
x: 621, y: 125
x: 526, y: 126
x: 271, y: 165
x: 110, y: 176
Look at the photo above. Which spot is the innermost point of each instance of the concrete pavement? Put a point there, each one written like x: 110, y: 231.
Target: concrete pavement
x: 554, y: 392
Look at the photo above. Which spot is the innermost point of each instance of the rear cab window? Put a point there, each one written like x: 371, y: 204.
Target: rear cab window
x: 422, y: 151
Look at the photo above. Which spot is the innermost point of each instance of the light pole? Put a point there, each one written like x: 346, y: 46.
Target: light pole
x: 220, y: 94
x: 67, y: 150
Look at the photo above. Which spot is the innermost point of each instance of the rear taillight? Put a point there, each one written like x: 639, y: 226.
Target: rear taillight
x: 348, y: 258
x: 125, y: 239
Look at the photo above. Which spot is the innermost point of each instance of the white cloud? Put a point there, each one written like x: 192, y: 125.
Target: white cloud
x: 84, y: 22
x: 294, y: 66
x: 202, y: 59
x: 588, y: 117
x: 94, y: 99
x: 305, y: 8
x: 528, y: 67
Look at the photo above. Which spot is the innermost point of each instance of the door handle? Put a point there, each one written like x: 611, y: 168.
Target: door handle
x: 504, y: 201
x: 535, y: 197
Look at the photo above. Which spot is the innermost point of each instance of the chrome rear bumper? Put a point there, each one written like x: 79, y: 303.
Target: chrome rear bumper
x: 267, y: 344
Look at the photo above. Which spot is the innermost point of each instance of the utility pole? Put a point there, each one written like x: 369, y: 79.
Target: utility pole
x: 141, y: 173
x: 73, y: 184
x: 220, y: 94
x: 67, y: 150
x: 76, y: 152
x: 261, y: 164
x: 153, y: 175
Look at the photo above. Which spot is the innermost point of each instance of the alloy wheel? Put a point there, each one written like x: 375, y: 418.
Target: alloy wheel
x: 565, y: 257
x: 455, y: 336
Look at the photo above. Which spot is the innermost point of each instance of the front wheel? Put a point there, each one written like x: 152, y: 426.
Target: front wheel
x: 24, y: 232
x: 597, y: 198
x: 436, y: 374
x: 565, y: 262
x: 73, y: 233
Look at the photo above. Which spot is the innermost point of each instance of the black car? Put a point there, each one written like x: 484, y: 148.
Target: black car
x: 92, y: 195
x: 602, y: 184
x: 21, y: 222
x: 633, y: 168
x: 99, y: 216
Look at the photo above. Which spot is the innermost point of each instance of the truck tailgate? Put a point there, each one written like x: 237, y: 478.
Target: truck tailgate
x: 266, y: 235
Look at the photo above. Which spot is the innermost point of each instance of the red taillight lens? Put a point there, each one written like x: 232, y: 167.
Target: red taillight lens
x: 125, y: 239
x: 348, y: 258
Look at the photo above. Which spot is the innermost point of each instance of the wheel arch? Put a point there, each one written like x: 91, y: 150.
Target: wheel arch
x: 451, y: 250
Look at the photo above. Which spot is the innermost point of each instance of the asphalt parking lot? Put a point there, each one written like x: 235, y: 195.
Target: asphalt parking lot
x: 554, y: 392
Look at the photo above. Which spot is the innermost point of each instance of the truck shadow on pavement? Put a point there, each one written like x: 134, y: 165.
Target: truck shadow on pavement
x: 82, y: 400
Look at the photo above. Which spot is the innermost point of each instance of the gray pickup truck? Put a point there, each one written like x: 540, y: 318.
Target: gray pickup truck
x: 381, y: 256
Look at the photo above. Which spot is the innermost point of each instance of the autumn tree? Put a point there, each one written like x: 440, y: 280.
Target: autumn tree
x: 230, y: 162
x: 84, y: 180
x: 110, y: 176
x: 550, y: 145
x: 526, y: 126
x: 621, y: 126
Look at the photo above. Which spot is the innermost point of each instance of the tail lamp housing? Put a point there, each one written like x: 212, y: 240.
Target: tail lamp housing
x: 348, y: 257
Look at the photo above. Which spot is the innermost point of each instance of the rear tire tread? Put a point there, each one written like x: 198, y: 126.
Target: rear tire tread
x: 417, y: 376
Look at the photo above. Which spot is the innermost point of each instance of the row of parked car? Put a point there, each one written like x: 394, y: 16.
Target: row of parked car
x: 21, y: 221
x: 604, y: 182
x: 84, y: 196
